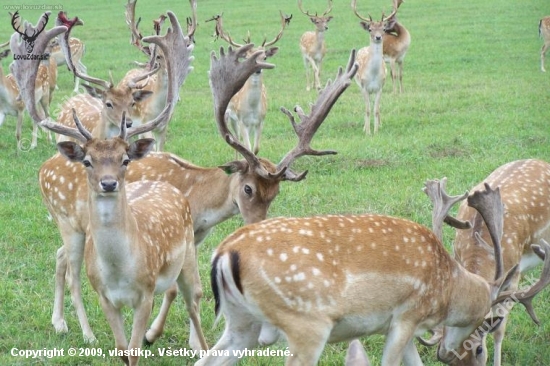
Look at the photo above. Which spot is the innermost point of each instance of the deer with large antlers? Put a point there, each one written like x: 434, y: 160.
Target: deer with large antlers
x: 397, y: 40
x: 312, y: 45
x: 63, y: 184
x: 332, y: 278
x: 371, y: 76
x: 248, y: 108
x: 524, y: 188
x: 544, y: 33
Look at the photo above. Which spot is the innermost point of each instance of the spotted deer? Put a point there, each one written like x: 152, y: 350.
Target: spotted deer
x: 156, y: 83
x: 78, y: 50
x: 525, y: 190
x: 248, y: 108
x: 312, y: 46
x: 63, y: 183
x: 397, y: 41
x: 336, y: 277
x: 139, y: 239
x: 372, y: 70
x: 11, y: 103
x: 544, y: 33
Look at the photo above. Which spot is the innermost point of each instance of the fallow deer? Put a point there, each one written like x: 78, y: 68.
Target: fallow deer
x: 77, y: 52
x: 11, y: 103
x: 63, y: 184
x: 372, y: 70
x: 248, y: 108
x: 544, y: 33
x: 336, y: 277
x: 139, y: 239
x: 525, y: 190
x: 156, y: 83
x: 397, y: 40
x: 312, y: 46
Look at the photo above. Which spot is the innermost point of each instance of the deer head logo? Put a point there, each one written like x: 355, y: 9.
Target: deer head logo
x: 28, y: 38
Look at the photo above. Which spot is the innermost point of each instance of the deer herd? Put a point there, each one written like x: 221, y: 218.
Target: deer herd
x: 136, y: 217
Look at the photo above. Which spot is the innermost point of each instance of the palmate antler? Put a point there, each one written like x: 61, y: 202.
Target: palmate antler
x: 228, y: 75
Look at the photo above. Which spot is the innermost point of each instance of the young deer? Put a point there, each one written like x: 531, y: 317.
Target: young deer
x: 247, y: 109
x: 372, y: 70
x: 397, y: 40
x: 337, y: 277
x: 524, y: 188
x: 63, y: 184
x: 312, y: 46
x: 544, y: 33
x: 77, y: 52
x: 139, y: 239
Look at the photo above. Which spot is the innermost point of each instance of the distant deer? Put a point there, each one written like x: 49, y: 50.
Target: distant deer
x: 312, y: 46
x: 331, y: 278
x: 524, y: 189
x: 397, y: 40
x: 372, y: 70
x: 78, y: 50
x: 544, y: 33
x: 248, y: 108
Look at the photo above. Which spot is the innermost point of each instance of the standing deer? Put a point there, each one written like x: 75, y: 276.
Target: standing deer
x: 312, y: 46
x: 524, y: 188
x: 372, y: 70
x: 77, y: 52
x: 397, y: 40
x: 247, y: 109
x: 63, y: 184
x: 544, y: 33
x: 336, y: 277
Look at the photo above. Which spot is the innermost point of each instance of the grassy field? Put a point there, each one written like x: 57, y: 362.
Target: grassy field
x: 474, y: 99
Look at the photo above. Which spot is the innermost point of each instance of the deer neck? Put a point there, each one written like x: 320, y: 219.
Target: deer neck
x: 105, y: 129
x: 253, y: 90
x: 319, y: 41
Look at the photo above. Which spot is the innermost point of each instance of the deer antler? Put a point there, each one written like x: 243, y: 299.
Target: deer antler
x: 25, y: 71
x: 384, y: 18
x: 329, y: 9
x: 435, y: 189
x: 192, y: 21
x: 285, y: 20
x: 526, y: 297
x: 136, y: 38
x: 220, y: 33
x: 311, y: 123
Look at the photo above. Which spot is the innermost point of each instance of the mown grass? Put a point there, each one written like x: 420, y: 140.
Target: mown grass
x: 474, y: 99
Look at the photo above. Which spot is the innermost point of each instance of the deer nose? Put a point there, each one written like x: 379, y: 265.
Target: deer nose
x: 378, y: 38
x: 109, y: 184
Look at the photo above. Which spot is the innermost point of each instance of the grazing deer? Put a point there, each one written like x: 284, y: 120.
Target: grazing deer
x: 397, y: 40
x: 356, y: 355
x: 156, y: 83
x: 372, y: 70
x: 312, y: 46
x: 11, y: 103
x: 63, y: 184
x: 524, y: 188
x: 247, y: 109
x: 336, y: 277
x: 544, y: 33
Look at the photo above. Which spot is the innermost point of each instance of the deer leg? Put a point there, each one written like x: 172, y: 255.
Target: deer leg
x: 393, y: 73
x: 498, y: 338
x: 306, y: 343
x: 398, y: 340
x: 257, y: 136
x: 366, y: 97
x: 318, y: 75
x: 400, y: 75
x: 116, y: 322
x: 142, y: 313
x: 157, y: 327
x: 268, y: 335
x: 161, y: 138
x: 58, y: 321
x: 377, y: 122
x: 310, y: 69
x: 411, y: 356
x: 542, y: 56
x: 18, y: 128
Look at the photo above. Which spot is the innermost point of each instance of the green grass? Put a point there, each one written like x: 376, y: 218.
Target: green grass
x: 474, y: 99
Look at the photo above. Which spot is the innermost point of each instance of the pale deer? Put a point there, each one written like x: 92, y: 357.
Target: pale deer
x: 372, y: 70
x: 524, y: 188
x: 397, y: 40
x: 77, y: 52
x: 248, y: 108
x: 11, y: 103
x: 312, y: 46
x: 139, y: 239
x: 544, y: 33
x: 63, y: 184
x: 336, y: 277
x: 156, y: 83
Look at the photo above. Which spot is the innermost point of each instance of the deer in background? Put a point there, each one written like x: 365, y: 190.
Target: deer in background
x: 157, y: 82
x: 11, y: 103
x: 371, y: 75
x: 63, y: 184
x: 524, y: 189
x: 544, y: 33
x: 77, y: 52
x: 312, y: 46
x: 397, y: 40
x: 332, y: 278
x: 248, y: 108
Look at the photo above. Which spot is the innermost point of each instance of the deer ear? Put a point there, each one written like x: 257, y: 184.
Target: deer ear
x: 232, y: 167
x: 71, y: 150
x: 94, y: 92
x: 270, y: 52
x: 140, y: 148
x: 141, y: 95
x: 493, y: 323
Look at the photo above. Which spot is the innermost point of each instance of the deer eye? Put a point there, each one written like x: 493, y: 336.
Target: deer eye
x: 248, y: 190
x: 87, y: 163
x: 126, y: 162
x: 479, y: 350
x: 133, y: 104
x: 109, y: 105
